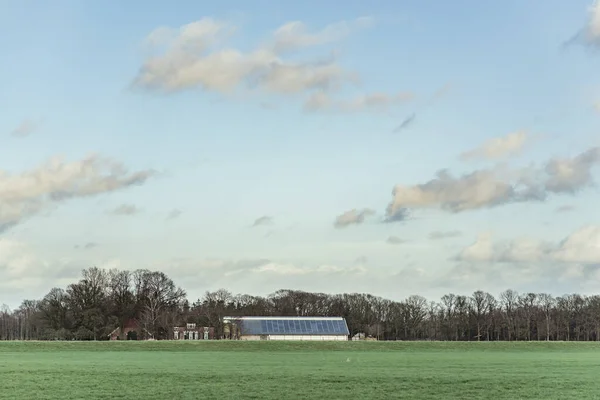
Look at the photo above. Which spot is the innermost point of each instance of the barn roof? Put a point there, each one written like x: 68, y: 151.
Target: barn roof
x: 291, y: 325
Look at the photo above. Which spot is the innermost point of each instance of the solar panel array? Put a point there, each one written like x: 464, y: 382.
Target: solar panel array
x: 294, y: 327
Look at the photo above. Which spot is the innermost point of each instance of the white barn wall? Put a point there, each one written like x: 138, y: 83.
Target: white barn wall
x: 309, y: 337
x: 250, y: 337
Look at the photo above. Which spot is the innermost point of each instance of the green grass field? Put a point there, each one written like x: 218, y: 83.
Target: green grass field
x: 299, y: 370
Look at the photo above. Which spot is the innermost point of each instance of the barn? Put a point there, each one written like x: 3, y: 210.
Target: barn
x: 287, y: 328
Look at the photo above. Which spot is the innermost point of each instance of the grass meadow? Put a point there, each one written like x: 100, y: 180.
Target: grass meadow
x: 299, y: 370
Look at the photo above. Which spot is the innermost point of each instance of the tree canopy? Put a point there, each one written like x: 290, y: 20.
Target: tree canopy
x: 103, y: 300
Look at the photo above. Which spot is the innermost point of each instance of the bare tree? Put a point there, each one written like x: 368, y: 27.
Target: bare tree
x: 479, y: 307
x: 509, y: 300
x: 546, y: 302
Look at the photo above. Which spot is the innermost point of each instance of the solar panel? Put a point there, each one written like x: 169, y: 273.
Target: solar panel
x: 329, y: 326
x: 297, y: 326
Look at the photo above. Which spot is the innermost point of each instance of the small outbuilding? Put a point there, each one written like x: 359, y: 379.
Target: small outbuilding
x: 287, y: 328
x: 132, y: 330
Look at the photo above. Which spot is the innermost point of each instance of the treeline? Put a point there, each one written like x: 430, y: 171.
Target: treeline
x: 106, y: 299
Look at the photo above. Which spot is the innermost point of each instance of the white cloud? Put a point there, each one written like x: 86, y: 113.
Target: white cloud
x: 493, y: 187
x: 485, y: 265
x: 295, y: 35
x: 481, y: 250
x: 264, y: 276
x: 572, y: 264
x: 195, y: 56
x: 571, y: 174
x: 592, y: 30
x: 352, y: 217
x: 321, y: 101
x: 498, y: 147
x: 189, y: 60
x: 275, y: 268
x: 26, y: 194
x: 580, y: 247
x: 14, y: 260
x: 590, y: 34
x: 583, y: 246
x: 23, y: 274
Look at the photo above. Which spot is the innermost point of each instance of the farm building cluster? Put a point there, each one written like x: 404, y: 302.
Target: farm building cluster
x: 251, y: 328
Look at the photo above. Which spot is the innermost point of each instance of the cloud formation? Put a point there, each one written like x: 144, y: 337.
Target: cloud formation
x: 295, y: 35
x: 125, y: 209
x: 589, y: 35
x: 194, y: 56
x: 352, y: 217
x: 28, y: 193
x: 487, y: 188
x: 580, y: 247
x: 184, y: 60
x: 498, y: 147
x: 87, y: 246
x: 395, y: 240
x: 25, y: 128
x: 174, y: 214
x: 565, y: 208
x: 591, y: 32
x: 438, y: 235
x: 24, y: 274
x: 262, y: 221
x: 321, y: 101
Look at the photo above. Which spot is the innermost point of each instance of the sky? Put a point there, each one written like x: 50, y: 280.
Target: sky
x: 394, y: 148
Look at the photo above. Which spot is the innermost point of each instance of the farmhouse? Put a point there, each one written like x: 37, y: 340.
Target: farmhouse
x: 286, y: 328
x: 191, y: 332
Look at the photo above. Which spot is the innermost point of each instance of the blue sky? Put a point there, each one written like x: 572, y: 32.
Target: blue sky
x: 223, y: 137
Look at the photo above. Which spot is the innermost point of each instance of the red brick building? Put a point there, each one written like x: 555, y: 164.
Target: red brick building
x: 131, y: 331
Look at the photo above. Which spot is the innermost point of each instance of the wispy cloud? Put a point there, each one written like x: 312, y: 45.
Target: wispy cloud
x: 498, y: 147
x: 174, y: 214
x: 262, y: 221
x: 194, y: 56
x: 29, y: 193
x: 352, y: 217
x: 395, y: 240
x: 438, y: 235
x: 87, y: 246
x: 321, y: 101
x: 125, y: 209
x: 565, y: 208
x: 26, y: 128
